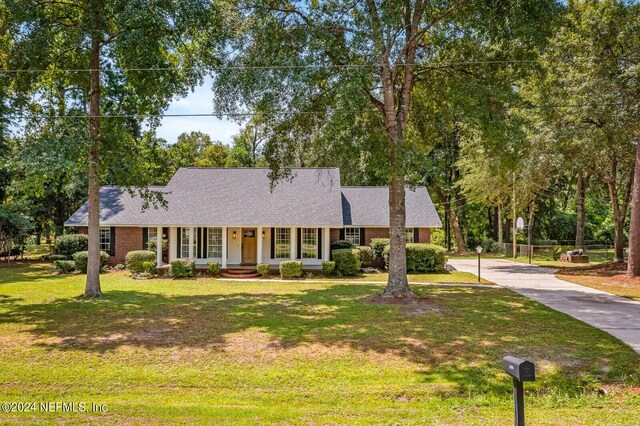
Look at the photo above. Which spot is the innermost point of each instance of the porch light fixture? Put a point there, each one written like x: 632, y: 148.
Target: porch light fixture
x: 234, y: 235
x: 263, y: 234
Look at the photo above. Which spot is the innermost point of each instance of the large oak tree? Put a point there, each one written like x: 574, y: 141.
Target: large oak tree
x: 118, y: 58
x: 344, y: 66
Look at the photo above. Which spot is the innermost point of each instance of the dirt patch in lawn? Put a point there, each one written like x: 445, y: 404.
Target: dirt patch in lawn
x: 409, y: 307
x: 609, y: 277
x: 602, y: 270
x: 622, y: 280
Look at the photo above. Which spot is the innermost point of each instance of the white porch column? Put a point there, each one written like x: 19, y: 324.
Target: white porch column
x: 293, y: 239
x: 159, y: 247
x: 224, y: 248
x: 191, y: 240
x: 259, y: 237
x: 326, y: 243
x: 173, y: 243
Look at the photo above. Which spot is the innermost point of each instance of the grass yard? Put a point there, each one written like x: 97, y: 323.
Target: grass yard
x: 455, y: 277
x: 596, y: 256
x: 220, y: 352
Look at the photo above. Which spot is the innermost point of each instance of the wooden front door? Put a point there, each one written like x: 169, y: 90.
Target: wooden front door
x: 249, y: 246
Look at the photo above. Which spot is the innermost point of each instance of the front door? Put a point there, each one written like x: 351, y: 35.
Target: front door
x: 249, y: 246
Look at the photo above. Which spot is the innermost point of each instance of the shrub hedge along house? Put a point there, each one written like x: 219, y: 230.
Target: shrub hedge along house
x: 233, y: 217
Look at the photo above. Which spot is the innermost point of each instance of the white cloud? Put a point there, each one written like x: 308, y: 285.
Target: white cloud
x: 197, y: 102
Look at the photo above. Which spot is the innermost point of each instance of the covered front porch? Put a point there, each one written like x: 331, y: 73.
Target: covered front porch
x: 246, y: 246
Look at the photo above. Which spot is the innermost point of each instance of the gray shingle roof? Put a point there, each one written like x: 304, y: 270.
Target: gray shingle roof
x: 242, y: 197
x: 369, y: 206
x: 223, y: 197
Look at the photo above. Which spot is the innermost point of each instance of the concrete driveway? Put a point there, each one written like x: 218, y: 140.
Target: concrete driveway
x: 616, y: 315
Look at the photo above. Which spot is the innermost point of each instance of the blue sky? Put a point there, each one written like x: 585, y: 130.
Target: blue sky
x: 197, y: 102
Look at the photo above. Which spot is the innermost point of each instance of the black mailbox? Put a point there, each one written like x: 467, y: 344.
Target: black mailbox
x: 519, y: 369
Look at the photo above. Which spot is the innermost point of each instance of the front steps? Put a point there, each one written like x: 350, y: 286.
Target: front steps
x: 239, y: 273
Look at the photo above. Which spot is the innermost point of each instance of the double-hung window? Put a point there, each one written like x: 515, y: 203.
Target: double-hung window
x: 352, y: 235
x: 105, y: 240
x: 309, y: 243
x: 185, y: 240
x: 408, y: 235
x: 152, y: 233
x: 282, y: 243
x: 214, y: 242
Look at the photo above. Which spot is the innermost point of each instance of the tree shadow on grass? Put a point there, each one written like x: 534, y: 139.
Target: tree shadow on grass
x: 461, y: 342
x: 26, y: 271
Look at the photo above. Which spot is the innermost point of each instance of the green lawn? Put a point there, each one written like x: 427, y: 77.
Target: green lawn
x: 455, y: 277
x: 596, y: 256
x: 207, y: 351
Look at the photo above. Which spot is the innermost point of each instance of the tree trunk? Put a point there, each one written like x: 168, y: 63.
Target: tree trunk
x: 619, y: 209
x: 580, y: 220
x: 457, y: 232
x: 530, y: 230
x: 500, y: 233
x: 493, y: 223
x: 92, y: 288
x: 618, y: 243
x: 618, y: 223
x: 633, y: 269
x: 451, y: 218
x: 397, y: 284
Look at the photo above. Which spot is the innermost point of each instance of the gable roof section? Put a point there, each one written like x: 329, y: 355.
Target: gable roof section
x: 223, y: 197
x: 369, y: 206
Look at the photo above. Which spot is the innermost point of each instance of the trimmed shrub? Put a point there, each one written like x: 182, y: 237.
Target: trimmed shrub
x: 65, y: 265
x: 67, y: 245
x: 291, y: 269
x: 263, y: 269
x: 134, y: 260
x: 213, y: 268
x: 54, y: 257
x: 422, y: 258
x: 328, y: 267
x: 341, y: 244
x: 377, y: 247
x: 119, y: 267
x: 366, y: 255
x: 149, y: 267
x: 183, y: 268
x: 347, y: 261
x: 81, y: 259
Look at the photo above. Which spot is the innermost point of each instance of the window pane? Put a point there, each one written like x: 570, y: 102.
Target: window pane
x: 352, y: 235
x: 408, y: 235
x: 184, y: 243
x: 214, y: 242
x: 105, y: 239
x: 282, y: 243
x: 152, y: 233
x: 309, y: 243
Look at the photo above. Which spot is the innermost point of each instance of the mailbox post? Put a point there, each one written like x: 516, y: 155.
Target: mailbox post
x: 521, y: 371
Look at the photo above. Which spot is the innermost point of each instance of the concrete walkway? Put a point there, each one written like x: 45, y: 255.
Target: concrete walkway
x: 616, y: 315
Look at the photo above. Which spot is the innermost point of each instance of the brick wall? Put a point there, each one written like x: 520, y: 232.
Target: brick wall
x: 370, y: 233
x: 127, y: 239
x: 424, y: 235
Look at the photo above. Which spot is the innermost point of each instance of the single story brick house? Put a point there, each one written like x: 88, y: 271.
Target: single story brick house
x: 232, y: 216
